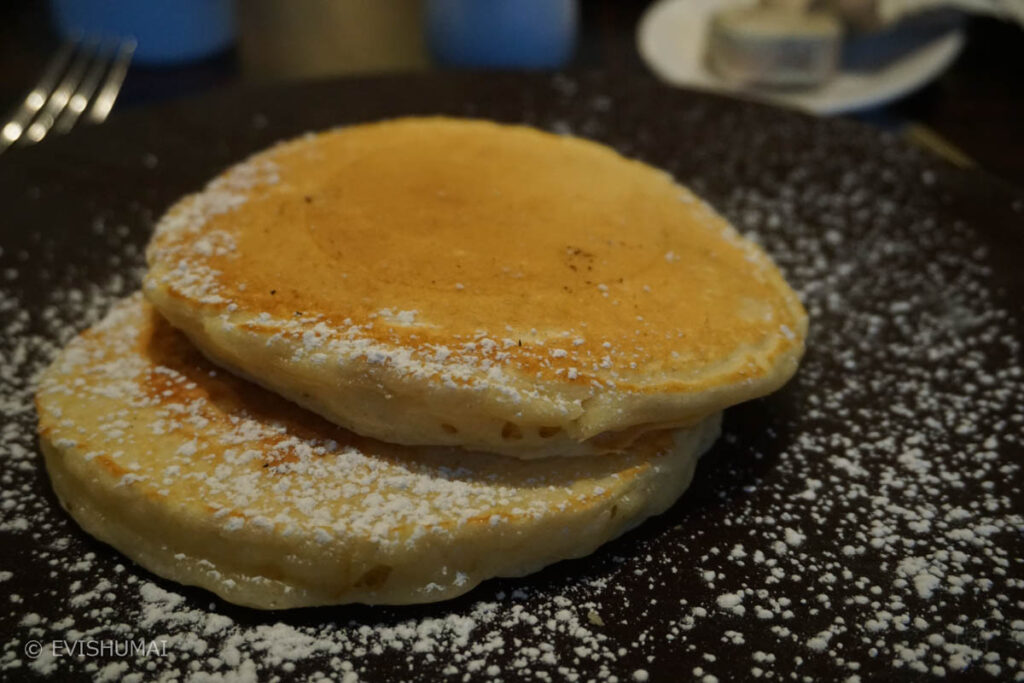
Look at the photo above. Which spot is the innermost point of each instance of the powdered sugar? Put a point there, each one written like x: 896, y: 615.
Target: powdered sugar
x: 895, y: 455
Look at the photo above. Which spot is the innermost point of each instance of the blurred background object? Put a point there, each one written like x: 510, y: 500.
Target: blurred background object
x: 502, y: 34
x: 885, y: 44
x: 280, y: 39
x: 166, y: 31
x: 82, y: 77
x: 683, y: 41
x: 959, y: 91
x: 773, y: 46
x: 870, y: 15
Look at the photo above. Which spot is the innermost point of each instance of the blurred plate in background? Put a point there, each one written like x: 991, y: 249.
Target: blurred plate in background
x: 671, y: 41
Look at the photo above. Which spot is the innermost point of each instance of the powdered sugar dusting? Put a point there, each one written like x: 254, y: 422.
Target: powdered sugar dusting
x: 877, y: 501
x: 151, y: 414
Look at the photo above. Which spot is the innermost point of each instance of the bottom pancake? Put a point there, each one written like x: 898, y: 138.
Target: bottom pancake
x: 206, y: 479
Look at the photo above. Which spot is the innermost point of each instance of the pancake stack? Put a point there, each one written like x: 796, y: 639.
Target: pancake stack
x: 384, y: 363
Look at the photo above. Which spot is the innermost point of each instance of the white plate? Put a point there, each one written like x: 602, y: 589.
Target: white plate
x: 671, y: 35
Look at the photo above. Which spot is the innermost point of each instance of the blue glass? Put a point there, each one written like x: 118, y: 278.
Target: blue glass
x: 167, y: 31
x: 526, y: 34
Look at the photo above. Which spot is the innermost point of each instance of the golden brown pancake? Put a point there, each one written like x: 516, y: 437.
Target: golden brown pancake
x: 458, y: 282
x: 206, y: 479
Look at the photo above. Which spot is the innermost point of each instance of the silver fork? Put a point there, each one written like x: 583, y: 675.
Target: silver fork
x: 83, y: 75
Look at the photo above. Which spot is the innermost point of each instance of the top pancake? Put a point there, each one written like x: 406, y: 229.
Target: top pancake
x: 440, y: 281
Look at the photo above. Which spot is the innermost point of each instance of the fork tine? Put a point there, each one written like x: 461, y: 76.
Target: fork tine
x: 37, y: 97
x: 59, y: 98
x: 80, y: 99
x: 112, y: 86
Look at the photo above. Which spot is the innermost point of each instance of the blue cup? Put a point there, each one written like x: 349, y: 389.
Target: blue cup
x: 503, y: 34
x: 166, y: 31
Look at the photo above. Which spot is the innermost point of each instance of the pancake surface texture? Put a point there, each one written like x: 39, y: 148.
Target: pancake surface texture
x: 456, y: 282
x: 208, y: 480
